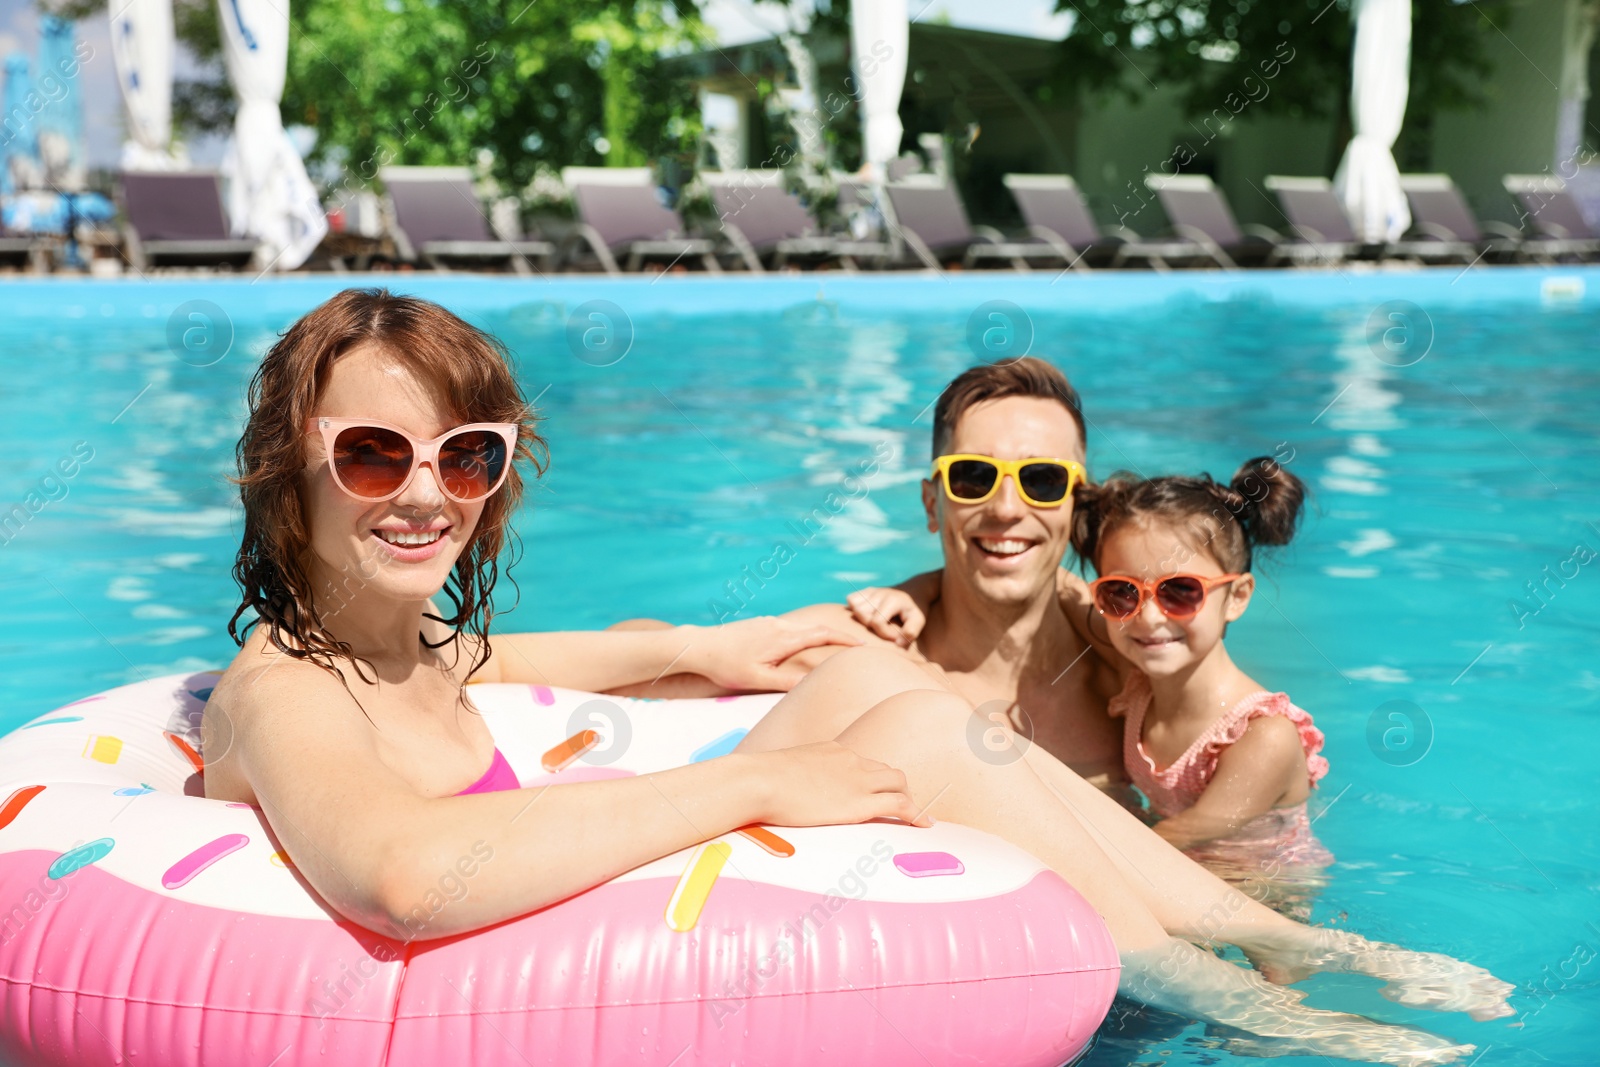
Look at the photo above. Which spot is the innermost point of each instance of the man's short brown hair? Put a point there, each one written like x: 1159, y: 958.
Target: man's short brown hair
x: 1028, y: 376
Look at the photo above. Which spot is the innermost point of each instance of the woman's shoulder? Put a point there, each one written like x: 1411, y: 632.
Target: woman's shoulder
x: 257, y: 658
x: 256, y: 692
x: 263, y: 680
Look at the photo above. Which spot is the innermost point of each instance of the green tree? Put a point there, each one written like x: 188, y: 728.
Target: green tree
x: 628, y: 50
x: 417, y: 81
x: 1205, y: 49
x: 552, y: 82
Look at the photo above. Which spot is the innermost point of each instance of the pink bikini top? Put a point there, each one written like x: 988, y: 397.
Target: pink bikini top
x: 499, y: 776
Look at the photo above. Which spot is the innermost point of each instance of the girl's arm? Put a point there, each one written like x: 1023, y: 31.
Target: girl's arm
x: 1253, y: 775
x: 897, y: 613
x: 378, y: 852
x: 748, y: 655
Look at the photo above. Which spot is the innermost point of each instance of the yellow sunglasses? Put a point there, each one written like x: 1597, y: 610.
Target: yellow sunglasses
x: 1040, y: 481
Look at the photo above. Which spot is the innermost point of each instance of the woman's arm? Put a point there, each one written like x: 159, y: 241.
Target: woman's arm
x: 1253, y: 775
x: 748, y: 655
x: 380, y: 854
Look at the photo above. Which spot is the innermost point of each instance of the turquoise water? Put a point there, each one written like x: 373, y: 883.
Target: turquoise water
x: 1442, y: 486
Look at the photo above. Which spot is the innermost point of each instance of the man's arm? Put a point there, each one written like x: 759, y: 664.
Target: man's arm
x: 1072, y: 592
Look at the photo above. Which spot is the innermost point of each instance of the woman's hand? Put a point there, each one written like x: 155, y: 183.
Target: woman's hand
x: 892, y: 614
x: 750, y: 654
x: 826, y: 784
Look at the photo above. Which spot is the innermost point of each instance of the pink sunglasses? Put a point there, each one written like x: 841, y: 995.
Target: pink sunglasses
x: 374, y: 461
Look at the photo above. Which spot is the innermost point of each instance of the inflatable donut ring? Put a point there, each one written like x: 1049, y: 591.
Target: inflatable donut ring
x: 150, y: 927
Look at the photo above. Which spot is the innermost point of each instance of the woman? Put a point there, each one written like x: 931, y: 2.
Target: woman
x: 362, y: 778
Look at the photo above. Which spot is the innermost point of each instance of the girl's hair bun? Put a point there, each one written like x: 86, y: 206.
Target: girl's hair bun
x: 1267, y: 500
x: 1260, y: 505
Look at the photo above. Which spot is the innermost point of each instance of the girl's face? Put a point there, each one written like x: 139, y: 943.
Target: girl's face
x: 1159, y: 646
x: 347, y: 549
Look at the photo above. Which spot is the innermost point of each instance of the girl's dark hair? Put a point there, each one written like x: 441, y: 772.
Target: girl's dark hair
x: 468, y: 368
x: 1259, y: 506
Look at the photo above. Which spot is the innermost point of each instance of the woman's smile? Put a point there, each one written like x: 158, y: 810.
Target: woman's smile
x: 412, y: 546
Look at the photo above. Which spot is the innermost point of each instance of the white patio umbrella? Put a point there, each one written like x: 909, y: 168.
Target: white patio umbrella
x: 1368, y: 181
x: 880, y: 36
x: 142, y: 45
x: 1577, y: 41
x: 270, y: 197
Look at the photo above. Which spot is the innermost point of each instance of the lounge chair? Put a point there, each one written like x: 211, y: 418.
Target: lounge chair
x: 760, y: 218
x: 621, y: 214
x: 854, y: 200
x: 437, y: 218
x: 1200, y: 213
x: 1559, y: 228
x: 1055, y: 210
x: 23, y: 252
x: 933, y: 223
x: 1444, y: 227
x: 1317, y: 219
x: 176, y: 218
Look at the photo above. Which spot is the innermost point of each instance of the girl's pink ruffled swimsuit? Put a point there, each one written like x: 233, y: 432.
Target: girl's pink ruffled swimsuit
x: 1285, y: 833
x: 499, y: 776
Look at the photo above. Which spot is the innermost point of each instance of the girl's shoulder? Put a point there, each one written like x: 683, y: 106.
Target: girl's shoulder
x: 1264, y: 703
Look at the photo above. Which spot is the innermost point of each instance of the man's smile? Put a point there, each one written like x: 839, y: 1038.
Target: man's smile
x: 1006, y: 548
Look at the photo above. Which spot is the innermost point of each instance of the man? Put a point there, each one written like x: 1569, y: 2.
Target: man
x: 1002, y: 624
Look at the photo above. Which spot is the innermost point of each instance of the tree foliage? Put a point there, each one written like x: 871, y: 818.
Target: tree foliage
x: 382, y: 82
x: 553, y: 81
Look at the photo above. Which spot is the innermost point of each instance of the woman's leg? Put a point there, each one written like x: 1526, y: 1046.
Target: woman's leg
x: 924, y: 734
x: 836, y: 693
x: 1182, y: 896
x: 1195, y: 904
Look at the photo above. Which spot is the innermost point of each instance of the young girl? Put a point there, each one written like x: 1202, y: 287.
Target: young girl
x: 1226, y: 763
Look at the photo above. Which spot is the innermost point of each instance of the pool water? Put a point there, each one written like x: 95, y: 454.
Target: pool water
x: 1438, y: 614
